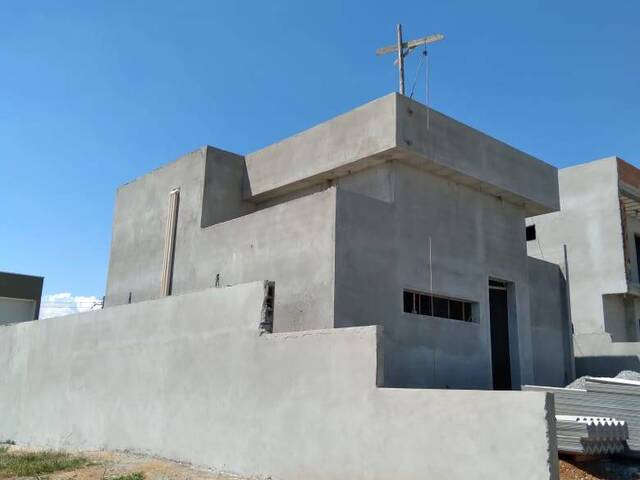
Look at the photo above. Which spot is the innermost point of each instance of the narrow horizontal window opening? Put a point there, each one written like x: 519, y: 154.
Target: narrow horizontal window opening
x: 436, y: 306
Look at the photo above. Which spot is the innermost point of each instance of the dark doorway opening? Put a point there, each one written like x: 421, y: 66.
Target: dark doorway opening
x: 499, y: 323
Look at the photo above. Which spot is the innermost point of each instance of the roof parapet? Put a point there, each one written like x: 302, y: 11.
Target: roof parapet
x: 395, y: 127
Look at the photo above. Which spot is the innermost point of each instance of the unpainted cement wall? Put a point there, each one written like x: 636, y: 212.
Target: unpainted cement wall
x: 589, y: 223
x: 469, y: 153
x: 382, y: 248
x: 291, y: 243
x: 189, y: 378
x: 395, y: 126
x: 598, y: 355
x: 551, y: 334
x: 13, y: 310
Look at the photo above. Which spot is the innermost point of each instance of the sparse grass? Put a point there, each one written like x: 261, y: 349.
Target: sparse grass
x: 130, y: 476
x: 29, y: 464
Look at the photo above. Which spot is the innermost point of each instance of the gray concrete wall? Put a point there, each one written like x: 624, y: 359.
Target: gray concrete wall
x: 339, y: 216
x: 598, y: 355
x: 14, y: 310
x: 442, y: 144
x: 330, y: 149
x: 189, y: 378
x: 382, y: 248
x: 396, y: 127
x: 603, y: 306
x: 225, y: 180
x: 291, y: 243
x: 620, y: 318
x: 140, y: 215
x: 550, y: 327
x: 589, y: 224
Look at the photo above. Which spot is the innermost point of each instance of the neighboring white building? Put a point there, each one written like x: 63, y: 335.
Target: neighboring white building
x: 19, y: 297
x: 599, y: 222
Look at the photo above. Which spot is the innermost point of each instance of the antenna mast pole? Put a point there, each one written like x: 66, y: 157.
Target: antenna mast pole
x: 402, y: 49
x: 400, y: 58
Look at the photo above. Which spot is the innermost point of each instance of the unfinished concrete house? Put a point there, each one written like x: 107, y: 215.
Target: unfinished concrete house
x: 377, y: 217
x: 599, y: 223
x: 260, y: 310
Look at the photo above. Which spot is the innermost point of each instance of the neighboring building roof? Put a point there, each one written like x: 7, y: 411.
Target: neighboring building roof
x: 628, y: 179
x: 25, y: 287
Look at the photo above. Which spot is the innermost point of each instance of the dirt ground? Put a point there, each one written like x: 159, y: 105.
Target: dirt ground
x: 599, y: 469
x: 109, y: 465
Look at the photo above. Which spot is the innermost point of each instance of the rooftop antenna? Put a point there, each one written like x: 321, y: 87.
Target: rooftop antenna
x: 402, y: 49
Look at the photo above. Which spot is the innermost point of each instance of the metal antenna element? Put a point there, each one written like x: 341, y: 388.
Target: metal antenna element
x: 402, y: 49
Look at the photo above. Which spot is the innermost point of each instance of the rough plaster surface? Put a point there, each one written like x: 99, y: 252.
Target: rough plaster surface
x: 550, y: 330
x: 339, y: 216
x: 598, y: 355
x: 396, y: 127
x: 382, y: 248
x: 603, y: 295
x: 589, y: 224
x: 291, y: 243
x: 189, y: 378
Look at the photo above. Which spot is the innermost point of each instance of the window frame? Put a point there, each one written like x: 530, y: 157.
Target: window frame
x: 468, y: 310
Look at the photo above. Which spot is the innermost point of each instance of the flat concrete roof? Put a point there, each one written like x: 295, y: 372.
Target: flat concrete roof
x: 395, y: 127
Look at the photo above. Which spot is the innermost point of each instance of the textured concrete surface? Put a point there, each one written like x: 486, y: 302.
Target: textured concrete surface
x: 598, y: 355
x: 340, y: 217
x: 291, y: 243
x: 395, y: 127
x: 382, y: 248
x: 553, y: 360
x: 189, y: 378
x: 602, y: 267
x: 589, y: 224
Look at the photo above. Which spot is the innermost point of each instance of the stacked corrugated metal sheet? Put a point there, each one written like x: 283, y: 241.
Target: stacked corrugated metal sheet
x: 590, y: 435
x: 614, y: 398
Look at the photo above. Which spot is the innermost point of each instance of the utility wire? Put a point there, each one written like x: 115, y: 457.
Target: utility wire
x: 426, y: 83
x: 415, y: 80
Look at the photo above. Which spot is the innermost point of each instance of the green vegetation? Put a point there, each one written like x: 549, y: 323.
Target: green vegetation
x: 130, y: 476
x: 29, y: 464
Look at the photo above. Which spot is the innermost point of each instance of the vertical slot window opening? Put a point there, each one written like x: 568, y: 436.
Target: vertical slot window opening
x: 166, y: 282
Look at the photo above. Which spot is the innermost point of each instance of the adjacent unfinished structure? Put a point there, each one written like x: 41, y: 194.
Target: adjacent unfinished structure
x: 377, y: 217
x: 19, y: 297
x: 599, y: 222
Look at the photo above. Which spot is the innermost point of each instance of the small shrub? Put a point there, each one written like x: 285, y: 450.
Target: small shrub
x: 28, y: 464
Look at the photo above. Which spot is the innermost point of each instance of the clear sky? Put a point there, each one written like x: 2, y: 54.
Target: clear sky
x: 95, y: 93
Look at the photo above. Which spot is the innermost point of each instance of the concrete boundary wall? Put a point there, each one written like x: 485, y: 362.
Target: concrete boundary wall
x: 598, y: 355
x: 190, y: 378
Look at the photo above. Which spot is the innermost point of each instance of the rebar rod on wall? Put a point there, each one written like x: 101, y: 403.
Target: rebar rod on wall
x: 169, y: 243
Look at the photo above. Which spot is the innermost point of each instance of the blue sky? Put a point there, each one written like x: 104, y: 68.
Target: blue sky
x: 95, y: 93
